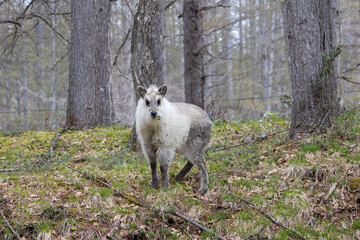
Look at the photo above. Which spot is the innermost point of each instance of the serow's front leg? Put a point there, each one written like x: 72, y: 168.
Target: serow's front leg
x: 166, y: 155
x: 155, y: 178
x: 151, y: 154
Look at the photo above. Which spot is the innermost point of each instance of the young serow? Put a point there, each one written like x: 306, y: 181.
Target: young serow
x: 166, y: 128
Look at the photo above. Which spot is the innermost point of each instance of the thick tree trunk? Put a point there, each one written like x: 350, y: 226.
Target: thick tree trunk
x: 87, y: 76
x: 142, y: 66
x: 158, y: 45
x: 311, y: 36
x: 193, y: 57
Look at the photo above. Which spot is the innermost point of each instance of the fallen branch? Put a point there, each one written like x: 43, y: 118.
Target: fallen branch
x: 9, y: 225
x: 53, y: 144
x: 134, y: 200
x: 331, y: 190
x: 244, y: 143
x: 270, y: 217
x: 11, y: 170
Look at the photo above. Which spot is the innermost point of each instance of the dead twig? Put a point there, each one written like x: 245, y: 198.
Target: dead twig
x: 9, y: 225
x: 169, y: 5
x: 132, y: 13
x: 270, y: 217
x: 331, y: 191
x: 348, y: 80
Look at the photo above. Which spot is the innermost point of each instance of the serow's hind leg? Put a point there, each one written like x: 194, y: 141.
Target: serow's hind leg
x: 186, y: 169
x: 204, y: 179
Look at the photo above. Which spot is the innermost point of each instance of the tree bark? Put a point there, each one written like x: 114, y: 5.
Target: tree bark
x: 53, y: 68
x: 142, y: 66
x: 270, y: 62
x: 158, y: 45
x: 39, y: 29
x: 311, y: 37
x: 207, y: 61
x: 103, y: 8
x: 7, y: 86
x: 24, y: 82
x: 193, y: 56
x: 87, y: 106
x: 229, y: 65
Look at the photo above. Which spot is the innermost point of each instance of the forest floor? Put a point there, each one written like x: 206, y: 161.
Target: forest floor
x: 302, y: 184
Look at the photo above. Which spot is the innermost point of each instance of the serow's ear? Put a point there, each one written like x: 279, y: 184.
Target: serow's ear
x: 162, y: 90
x: 142, y: 91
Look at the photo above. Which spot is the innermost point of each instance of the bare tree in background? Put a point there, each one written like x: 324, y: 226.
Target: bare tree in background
x: 103, y: 8
x: 89, y: 76
x: 53, y: 67
x: 312, y: 48
x: 193, y: 56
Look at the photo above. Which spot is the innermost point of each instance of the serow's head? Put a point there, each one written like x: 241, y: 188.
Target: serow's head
x: 153, y: 98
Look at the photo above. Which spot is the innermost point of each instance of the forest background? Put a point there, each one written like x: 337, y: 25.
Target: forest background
x: 245, y: 60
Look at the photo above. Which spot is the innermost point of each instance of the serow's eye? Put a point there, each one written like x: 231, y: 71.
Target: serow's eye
x: 158, y: 102
x: 147, y: 103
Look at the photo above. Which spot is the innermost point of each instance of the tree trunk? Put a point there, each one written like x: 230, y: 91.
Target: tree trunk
x: 7, y: 86
x: 142, y: 65
x: 53, y: 68
x: 87, y: 78
x: 207, y: 63
x: 103, y: 8
x: 270, y: 60
x: 229, y: 66
x: 193, y: 57
x: 24, y: 85
x: 158, y: 45
x: 263, y: 40
x: 311, y: 39
x: 39, y: 29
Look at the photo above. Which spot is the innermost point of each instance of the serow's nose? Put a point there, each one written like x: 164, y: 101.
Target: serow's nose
x: 153, y: 114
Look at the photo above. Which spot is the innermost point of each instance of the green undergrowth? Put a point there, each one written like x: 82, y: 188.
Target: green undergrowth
x: 289, y: 179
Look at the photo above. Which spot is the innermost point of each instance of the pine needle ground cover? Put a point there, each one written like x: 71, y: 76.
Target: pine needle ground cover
x: 303, y: 184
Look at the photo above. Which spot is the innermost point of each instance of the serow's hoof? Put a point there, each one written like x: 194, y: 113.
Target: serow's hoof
x: 202, y: 191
